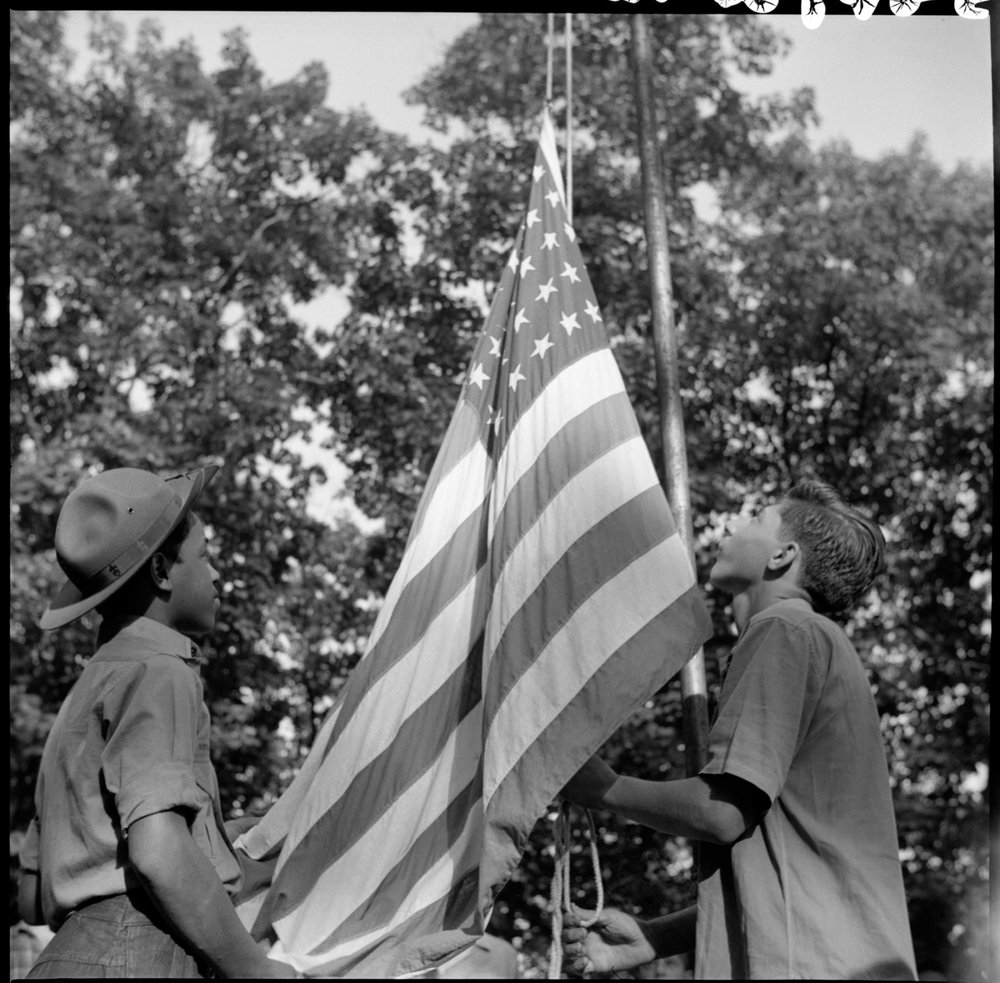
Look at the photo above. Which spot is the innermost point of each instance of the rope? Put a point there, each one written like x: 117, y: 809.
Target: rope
x: 548, y: 64
x: 569, y: 118
x: 559, y: 895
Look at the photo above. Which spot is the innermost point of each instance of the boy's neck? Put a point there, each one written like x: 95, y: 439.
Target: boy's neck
x: 762, y: 595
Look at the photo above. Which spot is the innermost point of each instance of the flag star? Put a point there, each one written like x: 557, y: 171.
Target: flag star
x: 526, y: 265
x: 545, y: 289
x: 519, y: 320
x: 478, y: 376
x: 533, y: 217
x: 570, y: 271
x: 515, y: 378
x: 512, y: 262
x: 496, y: 424
x: 494, y: 345
x: 550, y: 240
x: 569, y: 231
x: 538, y: 172
x: 593, y: 311
x: 569, y: 322
x: 553, y: 198
x: 542, y: 345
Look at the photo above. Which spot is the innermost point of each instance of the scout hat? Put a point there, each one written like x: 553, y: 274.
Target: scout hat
x: 109, y: 526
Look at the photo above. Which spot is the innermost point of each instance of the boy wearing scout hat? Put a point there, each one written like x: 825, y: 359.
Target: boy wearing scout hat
x: 127, y: 858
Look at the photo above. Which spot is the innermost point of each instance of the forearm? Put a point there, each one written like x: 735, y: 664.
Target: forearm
x: 185, y: 887
x: 691, y: 807
x: 673, y: 934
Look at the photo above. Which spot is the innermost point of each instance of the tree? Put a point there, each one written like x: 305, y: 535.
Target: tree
x: 834, y: 319
x: 163, y: 224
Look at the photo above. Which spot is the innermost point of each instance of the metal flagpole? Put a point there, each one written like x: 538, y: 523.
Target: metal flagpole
x: 693, y: 687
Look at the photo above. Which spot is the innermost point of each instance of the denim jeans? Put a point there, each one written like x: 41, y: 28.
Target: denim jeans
x: 120, y: 936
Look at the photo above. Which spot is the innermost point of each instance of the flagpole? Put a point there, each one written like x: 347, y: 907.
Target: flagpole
x: 693, y: 687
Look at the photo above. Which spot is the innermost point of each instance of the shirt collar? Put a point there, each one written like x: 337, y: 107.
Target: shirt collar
x: 170, y: 641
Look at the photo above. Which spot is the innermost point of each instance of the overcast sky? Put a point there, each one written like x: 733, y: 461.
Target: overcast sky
x: 876, y: 81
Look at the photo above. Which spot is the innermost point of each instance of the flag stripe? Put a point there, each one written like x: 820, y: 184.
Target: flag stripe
x: 433, y: 843
x: 390, y: 701
x: 563, y: 458
x: 429, y: 593
x: 586, y: 381
x: 413, y: 945
x: 456, y: 496
x: 577, y: 651
x: 346, y: 883
x: 637, y: 670
x: 568, y: 517
x: 373, y: 790
x: 311, y: 927
x: 463, y: 436
x: 268, y: 835
x: 597, y: 558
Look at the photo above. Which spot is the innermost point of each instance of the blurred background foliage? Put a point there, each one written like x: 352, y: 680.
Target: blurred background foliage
x: 170, y: 228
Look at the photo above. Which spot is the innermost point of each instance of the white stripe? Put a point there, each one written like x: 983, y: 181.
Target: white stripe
x: 273, y: 828
x: 579, y: 386
x: 386, y: 706
x: 249, y: 909
x: 457, y: 496
x: 611, y: 616
x: 435, y: 885
x: 350, y: 881
x: 603, y: 486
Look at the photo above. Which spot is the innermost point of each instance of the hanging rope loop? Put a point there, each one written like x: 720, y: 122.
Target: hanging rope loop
x: 560, y: 896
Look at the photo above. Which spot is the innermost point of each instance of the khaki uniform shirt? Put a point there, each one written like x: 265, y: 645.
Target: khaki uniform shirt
x: 815, y: 891
x: 130, y: 740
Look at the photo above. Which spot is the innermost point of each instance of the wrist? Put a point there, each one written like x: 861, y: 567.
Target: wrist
x: 649, y: 935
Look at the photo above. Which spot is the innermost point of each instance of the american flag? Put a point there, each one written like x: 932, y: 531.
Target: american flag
x: 543, y: 595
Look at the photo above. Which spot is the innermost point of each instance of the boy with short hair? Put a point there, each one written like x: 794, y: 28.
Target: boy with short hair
x: 799, y: 867
x: 128, y: 857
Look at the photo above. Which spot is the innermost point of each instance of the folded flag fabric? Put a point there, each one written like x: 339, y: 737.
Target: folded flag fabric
x: 543, y: 595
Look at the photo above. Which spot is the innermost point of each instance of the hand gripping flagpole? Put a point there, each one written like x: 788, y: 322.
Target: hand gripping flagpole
x: 693, y: 687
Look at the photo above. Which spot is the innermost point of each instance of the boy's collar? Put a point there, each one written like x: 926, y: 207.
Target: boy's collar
x: 171, y: 640
x: 745, y: 606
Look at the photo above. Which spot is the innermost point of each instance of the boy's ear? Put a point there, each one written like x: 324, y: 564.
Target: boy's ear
x: 783, y: 557
x: 159, y: 571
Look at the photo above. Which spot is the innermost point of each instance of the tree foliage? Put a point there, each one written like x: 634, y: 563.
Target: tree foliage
x: 834, y: 319
x: 160, y: 238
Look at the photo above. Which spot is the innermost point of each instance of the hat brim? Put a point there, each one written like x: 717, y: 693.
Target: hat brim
x: 71, y: 603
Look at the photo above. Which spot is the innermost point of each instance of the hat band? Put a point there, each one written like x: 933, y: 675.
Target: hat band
x: 128, y: 559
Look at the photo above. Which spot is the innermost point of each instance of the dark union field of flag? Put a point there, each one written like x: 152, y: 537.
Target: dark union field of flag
x: 543, y: 595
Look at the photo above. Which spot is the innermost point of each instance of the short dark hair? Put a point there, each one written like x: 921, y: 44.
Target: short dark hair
x: 842, y: 549
x: 134, y: 593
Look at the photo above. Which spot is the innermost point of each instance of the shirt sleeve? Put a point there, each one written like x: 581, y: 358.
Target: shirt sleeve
x: 151, y: 726
x: 27, y: 856
x: 769, y: 696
